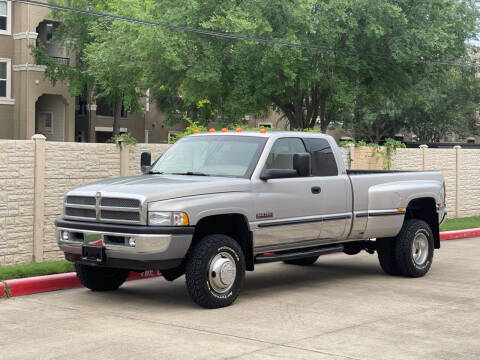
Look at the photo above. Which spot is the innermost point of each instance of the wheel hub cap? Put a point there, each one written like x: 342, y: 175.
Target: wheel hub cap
x: 420, y: 249
x: 222, y: 272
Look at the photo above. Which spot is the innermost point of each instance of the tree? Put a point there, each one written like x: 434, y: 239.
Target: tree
x: 216, y: 78
x: 239, y: 77
x: 108, y: 58
x: 444, y: 105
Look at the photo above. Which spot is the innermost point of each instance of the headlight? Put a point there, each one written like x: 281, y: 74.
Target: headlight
x: 167, y: 218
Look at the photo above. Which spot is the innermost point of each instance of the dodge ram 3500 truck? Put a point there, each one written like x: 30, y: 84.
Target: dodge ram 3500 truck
x: 217, y: 204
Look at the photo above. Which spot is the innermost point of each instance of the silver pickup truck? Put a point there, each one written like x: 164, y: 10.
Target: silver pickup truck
x: 217, y: 204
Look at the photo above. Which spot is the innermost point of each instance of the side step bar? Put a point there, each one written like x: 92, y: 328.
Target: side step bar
x: 298, y: 254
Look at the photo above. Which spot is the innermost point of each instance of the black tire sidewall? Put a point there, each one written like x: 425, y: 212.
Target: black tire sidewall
x: 404, y: 246
x: 197, y: 269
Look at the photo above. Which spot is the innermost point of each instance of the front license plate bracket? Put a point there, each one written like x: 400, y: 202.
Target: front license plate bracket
x: 93, y: 253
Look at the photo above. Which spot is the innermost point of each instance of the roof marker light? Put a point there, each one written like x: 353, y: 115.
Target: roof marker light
x: 224, y: 130
x: 238, y: 129
x: 263, y: 131
x: 212, y: 130
x: 196, y: 131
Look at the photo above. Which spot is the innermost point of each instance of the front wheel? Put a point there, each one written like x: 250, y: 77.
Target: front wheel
x: 100, y: 279
x: 215, y: 271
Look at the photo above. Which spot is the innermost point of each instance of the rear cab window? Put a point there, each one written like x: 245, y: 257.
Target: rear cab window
x: 323, y: 159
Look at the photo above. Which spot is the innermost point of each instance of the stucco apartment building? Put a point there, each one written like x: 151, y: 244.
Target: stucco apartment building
x: 30, y: 104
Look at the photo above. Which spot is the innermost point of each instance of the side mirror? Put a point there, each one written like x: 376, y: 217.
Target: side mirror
x: 146, y: 162
x: 278, y: 174
x: 302, y: 163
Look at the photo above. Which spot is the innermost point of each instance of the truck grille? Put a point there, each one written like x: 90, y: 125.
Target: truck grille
x: 103, y: 209
x: 86, y: 213
x: 81, y: 200
x: 120, y: 215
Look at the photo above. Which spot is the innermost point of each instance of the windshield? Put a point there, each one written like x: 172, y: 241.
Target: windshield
x: 228, y: 155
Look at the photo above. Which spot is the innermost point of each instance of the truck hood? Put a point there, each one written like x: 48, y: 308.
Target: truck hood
x: 161, y: 187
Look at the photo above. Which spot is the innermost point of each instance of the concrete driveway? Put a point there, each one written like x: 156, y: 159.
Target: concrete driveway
x: 343, y: 307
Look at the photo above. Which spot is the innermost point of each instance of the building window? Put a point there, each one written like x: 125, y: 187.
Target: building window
x: 265, y: 125
x: 5, y: 82
x: 49, y: 31
x: 3, y: 79
x: 5, y: 17
x: 45, y: 123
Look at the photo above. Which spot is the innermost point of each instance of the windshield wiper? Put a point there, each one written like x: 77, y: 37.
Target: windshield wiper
x: 194, y: 173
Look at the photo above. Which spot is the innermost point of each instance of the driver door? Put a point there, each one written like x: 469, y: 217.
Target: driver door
x: 286, y: 216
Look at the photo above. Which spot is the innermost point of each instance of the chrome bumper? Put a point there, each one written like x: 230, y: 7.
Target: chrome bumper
x: 128, y: 246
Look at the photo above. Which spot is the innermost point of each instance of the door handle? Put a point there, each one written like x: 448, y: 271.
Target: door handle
x: 316, y: 189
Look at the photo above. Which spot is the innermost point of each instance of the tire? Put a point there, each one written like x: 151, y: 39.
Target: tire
x: 303, y: 262
x: 386, y: 256
x: 215, y: 271
x: 414, y: 248
x: 100, y: 279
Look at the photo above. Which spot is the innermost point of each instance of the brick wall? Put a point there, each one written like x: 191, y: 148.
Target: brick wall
x: 135, y: 152
x: 68, y: 165
x: 16, y: 201
x: 469, y: 182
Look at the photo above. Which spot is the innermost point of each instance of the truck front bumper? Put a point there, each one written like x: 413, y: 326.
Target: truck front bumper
x: 132, y: 247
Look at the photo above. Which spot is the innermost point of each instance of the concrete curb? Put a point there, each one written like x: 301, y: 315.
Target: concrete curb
x: 460, y: 234
x: 39, y: 284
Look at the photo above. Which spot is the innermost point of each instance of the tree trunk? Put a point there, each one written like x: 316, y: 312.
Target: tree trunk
x: 116, y: 117
x: 91, y: 131
x: 324, y: 121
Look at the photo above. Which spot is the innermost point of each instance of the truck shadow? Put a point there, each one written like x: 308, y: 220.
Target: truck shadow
x: 289, y: 277
x: 272, y: 278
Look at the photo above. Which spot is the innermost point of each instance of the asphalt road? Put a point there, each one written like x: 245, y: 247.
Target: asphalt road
x: 343, y: 307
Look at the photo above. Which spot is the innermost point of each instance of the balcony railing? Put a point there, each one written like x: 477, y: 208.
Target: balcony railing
x: 61, y: 60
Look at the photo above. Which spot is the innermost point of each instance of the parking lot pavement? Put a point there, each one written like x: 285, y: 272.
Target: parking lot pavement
x: 343, y: 307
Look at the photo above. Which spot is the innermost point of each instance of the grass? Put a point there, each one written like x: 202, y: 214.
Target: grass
x: 35, y: 269
x: 461, y: 223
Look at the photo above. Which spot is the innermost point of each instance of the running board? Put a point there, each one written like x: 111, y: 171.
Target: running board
x: 298, y: 254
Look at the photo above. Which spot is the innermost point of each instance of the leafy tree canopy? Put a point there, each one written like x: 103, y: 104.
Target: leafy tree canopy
x: 369, y: 77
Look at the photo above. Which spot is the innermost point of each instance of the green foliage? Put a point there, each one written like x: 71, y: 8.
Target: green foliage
x: 461, y: 223
x: 390, y: 146
x: 124, y: 138
x: 221, y: 80
x: 192, y: 127
x: 439, y: 104
x: 35, y: 269
x: 386, y: 151
x: 241, y: 77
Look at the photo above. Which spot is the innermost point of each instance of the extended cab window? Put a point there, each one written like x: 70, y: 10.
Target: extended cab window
x: 281, y: 155
x: 323, y: 160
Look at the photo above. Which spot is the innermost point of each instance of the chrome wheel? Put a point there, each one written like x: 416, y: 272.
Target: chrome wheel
x: 222, y: 272
x: 420, y: 249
